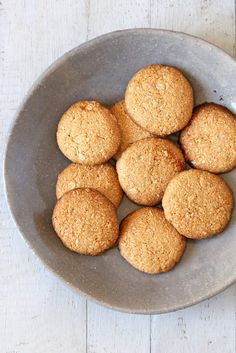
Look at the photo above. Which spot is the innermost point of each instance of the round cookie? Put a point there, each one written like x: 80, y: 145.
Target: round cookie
x: 209, y: 141
x: 146, y: 167
x: 86, y: 221
x: 150, y: 243
x: 198, y: 203
x: 88, y: 133
x: 130, y: 132
x: 101, y: 177
x: 159, y: 99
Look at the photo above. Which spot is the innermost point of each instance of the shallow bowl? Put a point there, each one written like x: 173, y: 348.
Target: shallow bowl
x: 100, y: 69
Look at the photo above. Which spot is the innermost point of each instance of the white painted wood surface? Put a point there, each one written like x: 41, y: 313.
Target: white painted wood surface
x: 37, y: 312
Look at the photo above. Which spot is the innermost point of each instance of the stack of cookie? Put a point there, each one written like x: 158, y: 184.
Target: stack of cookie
x: 150, y: 169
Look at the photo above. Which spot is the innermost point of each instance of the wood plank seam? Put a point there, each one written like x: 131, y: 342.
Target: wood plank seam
x: 88, y: 17
x: 235, y: 39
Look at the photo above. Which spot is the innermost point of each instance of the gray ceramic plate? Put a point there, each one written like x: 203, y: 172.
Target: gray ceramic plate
x: 100, y: 69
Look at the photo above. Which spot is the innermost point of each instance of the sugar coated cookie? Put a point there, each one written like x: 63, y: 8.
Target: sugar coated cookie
x: 145, y: 168
x: 88, y: 133
x: 198, y: 203
x: 160, y: 99
x: 149, y: 242
x: 86, y: 221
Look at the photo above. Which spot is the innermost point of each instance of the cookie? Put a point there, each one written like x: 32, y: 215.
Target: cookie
x: 198, y: 203
x: 101, y: 177
x: 146, y: 167
x: 130, y: 132
x: 150, y: 243
x: 88, y: 133
x: 209, y: 141
x: 86, y: 221
x: 160, y: 99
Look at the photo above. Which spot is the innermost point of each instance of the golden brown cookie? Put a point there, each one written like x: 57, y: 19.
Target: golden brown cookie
x: 88, y: 133
x: 145, y: 168
x: 101, y: 177
x: 86, y: 221
x: 198, y: 203
x: 130, y: 132
x: 150, y: 243
x: 209, y: 141
x: 159, y: 99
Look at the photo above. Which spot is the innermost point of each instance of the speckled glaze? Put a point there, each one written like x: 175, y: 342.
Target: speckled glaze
x: 100, y: 70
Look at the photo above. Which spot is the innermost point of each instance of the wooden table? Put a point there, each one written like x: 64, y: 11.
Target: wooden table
x: 38, y: 313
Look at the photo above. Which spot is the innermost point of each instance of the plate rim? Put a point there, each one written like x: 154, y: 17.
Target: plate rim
x: 53, y: 66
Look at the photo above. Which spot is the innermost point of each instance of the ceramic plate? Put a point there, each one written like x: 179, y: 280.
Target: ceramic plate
x: 100, y: 70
